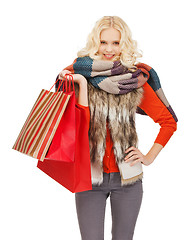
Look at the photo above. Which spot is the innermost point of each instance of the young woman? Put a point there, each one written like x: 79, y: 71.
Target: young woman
x: 112, y: 86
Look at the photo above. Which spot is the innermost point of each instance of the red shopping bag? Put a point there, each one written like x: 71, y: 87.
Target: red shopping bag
x: 75, y: 176
x: 62, y: 147
x: 38, y: 131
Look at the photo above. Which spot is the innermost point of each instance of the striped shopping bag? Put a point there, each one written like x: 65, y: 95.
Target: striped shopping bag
x: 41, y: 124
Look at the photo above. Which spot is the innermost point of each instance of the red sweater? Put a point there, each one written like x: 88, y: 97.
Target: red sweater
x: 155, y: 109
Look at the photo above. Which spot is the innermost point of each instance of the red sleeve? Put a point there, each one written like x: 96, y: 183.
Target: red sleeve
x: 87, y: 112
x: 155, y: 109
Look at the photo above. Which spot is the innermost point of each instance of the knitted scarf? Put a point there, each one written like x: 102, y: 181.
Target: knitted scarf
x: 114, y: 78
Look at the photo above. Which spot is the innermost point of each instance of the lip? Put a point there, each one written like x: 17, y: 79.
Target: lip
x: 109, y: 56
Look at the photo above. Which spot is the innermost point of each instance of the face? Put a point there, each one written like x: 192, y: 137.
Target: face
x: 109, y: 44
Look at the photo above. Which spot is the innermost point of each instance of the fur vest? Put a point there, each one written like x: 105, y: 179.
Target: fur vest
x: 119, y: 111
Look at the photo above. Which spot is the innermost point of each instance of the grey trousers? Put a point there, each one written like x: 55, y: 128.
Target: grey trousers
x: 125, y: 205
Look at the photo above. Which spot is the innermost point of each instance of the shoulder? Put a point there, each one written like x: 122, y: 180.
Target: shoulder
x: 144, y: 68
x: 153, y: 78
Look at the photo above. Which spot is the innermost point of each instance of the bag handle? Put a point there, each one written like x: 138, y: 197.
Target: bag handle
x: 58, y: 86
x: 65, y: 78
x: 70, y: 82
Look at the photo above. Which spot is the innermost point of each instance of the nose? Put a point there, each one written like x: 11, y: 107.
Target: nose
x: 109, y: 48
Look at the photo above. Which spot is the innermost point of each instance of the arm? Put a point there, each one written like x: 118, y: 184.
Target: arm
x: 153, y: 106
x: 153, y: 152
x: 83, y: 100
x: 83, y: 93
x: 155, y: 109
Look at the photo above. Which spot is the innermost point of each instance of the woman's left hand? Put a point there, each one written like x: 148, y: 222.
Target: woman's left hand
x: 134, y: 155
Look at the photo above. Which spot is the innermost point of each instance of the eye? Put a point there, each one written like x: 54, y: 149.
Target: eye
x: 116, y: 43
x: 103, y: 42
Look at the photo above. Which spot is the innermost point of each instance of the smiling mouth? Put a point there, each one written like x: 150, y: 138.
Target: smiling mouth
x: 109, y: 56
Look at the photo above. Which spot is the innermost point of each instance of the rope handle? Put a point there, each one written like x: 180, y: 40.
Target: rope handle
x: 65, y: 79
x: 70, y: 82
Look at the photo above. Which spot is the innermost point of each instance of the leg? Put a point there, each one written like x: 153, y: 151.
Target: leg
x: 90, y: 206
x: 125, y: 206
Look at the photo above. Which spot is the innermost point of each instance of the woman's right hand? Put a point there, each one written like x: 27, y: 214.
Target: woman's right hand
x: 81, y: 80
x: 78, y: 78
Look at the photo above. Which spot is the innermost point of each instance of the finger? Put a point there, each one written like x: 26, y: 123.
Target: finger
x: 68, y: 77
x: 130, y: 148
x: 134, y: 162
x: 60, y: 77
x: 131, y: 153
x: 64, y: 72
x: 131, y: 156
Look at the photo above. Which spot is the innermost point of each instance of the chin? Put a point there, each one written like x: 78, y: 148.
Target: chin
x: 116, y: 58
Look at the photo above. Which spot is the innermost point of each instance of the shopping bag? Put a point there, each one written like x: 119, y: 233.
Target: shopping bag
x: 75, y: 176
x: 41, y: 124
x: 62, y: 147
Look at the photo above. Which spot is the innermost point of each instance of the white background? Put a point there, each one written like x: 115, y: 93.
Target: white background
x: 40, y: 38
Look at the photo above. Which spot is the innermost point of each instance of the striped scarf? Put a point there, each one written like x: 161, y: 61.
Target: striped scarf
x: 114, y: 78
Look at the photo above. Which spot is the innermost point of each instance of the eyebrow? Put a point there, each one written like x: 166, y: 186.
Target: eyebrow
x: 102, y: 40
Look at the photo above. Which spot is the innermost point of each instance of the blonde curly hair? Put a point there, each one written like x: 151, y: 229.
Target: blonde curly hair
x: 129, y: 51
